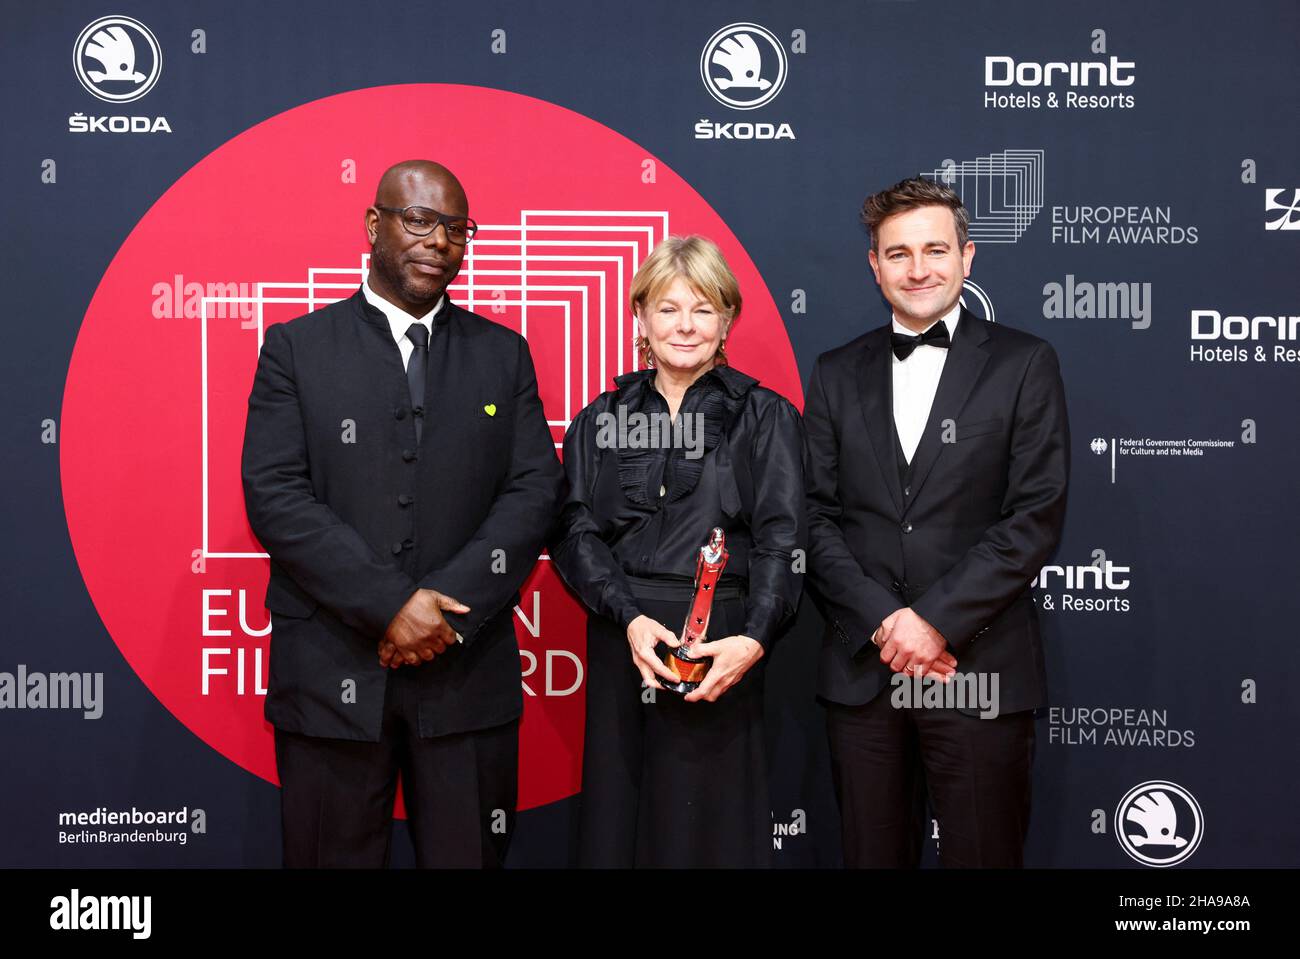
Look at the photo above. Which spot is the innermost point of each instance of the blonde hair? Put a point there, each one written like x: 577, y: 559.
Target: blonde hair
x: 698, y: 261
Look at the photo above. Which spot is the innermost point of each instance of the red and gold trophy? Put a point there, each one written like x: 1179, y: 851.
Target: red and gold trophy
x: 708, y: 569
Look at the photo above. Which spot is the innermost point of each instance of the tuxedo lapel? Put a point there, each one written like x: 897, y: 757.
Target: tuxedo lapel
x: 875, y: 391
x: 965, y: 362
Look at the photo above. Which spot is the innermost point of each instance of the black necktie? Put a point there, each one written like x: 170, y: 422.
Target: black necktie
x: 416, y: 369
x: 936, y: 335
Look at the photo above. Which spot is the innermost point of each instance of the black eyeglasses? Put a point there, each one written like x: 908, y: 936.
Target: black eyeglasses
x: 421, y: 221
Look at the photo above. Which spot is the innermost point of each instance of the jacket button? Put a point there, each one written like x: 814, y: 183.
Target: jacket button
x: 907, y: 527
x: 408, y: 455
x: 397, y: 548
x: 407, y: 544
x: 405, y: 499
x: 399, y: 413
x: 907, y: 491
x: 896, y: 586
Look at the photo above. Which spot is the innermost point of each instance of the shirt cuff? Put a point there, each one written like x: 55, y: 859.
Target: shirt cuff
x: 626, y: 613
x: 762, y: 621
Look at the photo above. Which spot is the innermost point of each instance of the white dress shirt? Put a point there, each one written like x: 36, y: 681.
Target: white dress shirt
x: 399, y: 321
x: 916, y: 379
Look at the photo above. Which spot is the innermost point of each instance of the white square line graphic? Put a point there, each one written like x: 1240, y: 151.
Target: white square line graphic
x: 554, y: 276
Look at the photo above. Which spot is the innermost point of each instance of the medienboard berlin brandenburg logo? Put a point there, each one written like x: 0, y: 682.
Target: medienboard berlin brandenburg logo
x: 117, y: 59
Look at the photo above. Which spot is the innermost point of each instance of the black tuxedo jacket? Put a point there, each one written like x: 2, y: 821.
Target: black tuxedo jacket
x: 962, y: 544
x: 355, y: 517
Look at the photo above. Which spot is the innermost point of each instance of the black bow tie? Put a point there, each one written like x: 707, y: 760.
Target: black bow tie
x: 936, y: 335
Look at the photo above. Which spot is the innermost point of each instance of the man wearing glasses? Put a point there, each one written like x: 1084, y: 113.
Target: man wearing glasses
x: 400, y: 473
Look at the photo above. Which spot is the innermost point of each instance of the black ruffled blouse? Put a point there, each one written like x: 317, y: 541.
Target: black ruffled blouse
x: 642, y: 509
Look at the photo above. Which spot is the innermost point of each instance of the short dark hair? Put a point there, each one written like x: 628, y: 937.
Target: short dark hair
x: 908, y: 195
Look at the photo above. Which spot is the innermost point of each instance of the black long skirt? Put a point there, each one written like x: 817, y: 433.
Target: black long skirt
x: 667, y: 783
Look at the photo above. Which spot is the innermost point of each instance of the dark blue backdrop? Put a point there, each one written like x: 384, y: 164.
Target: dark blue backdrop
x: 1206, y: 644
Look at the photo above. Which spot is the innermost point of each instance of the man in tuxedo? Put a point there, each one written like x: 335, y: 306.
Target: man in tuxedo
x: 399, y: 471
x: 938, y: 462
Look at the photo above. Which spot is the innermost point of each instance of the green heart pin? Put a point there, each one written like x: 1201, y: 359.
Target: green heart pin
x: 490, y: 409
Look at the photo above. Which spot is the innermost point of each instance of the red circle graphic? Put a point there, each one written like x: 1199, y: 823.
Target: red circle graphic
x: 269, y: 226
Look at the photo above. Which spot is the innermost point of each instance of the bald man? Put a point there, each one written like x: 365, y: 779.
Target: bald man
x: 400, y: 473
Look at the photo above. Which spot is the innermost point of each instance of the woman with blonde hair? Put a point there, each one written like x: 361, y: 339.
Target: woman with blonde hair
x: 680, y: 448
